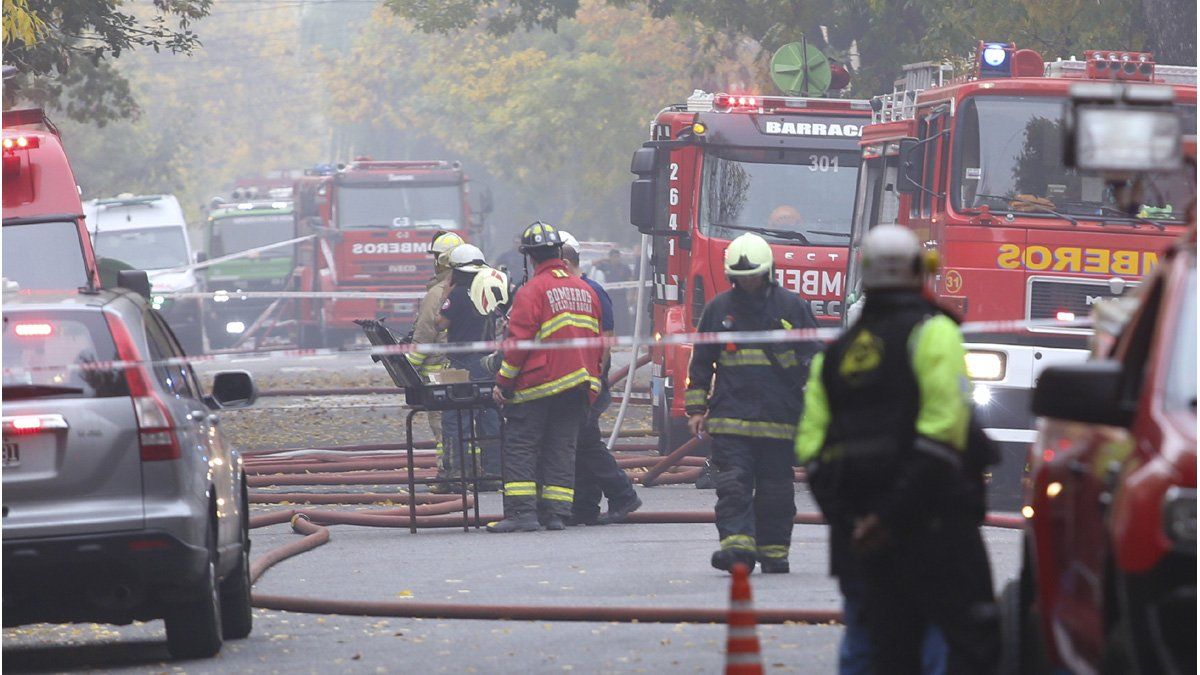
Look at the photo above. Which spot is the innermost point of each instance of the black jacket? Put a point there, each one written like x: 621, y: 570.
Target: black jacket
x: 753, y: 389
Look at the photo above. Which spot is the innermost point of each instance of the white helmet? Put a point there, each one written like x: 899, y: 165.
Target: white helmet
x: 442, y: 245
x: 467, y: 258
x: 489, y: 290
x: 569, y: 239
x: 748, y: 255
x: 891, y: 259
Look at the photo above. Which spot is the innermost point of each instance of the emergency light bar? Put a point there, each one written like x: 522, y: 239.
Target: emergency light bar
x: 763, y: 104
x: 14, y: 143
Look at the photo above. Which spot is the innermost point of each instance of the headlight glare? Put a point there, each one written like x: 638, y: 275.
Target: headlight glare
x: 985, y: 365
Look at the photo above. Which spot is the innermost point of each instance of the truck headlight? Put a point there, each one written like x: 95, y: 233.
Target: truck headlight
x: 1179, y: 516
x: 235, y: 327
x: 985, y: 365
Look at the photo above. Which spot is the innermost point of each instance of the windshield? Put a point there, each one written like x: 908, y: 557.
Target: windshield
x: 396, y: 206
x: 1009, y: 158
x: 151, y: 248
x: 44, y: 255
x: 238, y: 233
x: 1181, y: 379
x: 40, y: 339
x: 810, y: 192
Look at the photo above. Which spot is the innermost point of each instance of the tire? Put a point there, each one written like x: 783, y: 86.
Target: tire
x: 194, y: 626
x: 237, y: 618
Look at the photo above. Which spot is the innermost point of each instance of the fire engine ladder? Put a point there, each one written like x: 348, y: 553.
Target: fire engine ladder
x: 901, y: 104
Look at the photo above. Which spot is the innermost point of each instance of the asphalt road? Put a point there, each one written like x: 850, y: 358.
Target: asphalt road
x: 638, y: 565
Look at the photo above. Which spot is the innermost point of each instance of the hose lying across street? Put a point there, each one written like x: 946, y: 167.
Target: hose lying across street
x: 434, y: 511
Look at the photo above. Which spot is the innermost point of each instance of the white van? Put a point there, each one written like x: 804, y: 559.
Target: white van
x: 148, y: 232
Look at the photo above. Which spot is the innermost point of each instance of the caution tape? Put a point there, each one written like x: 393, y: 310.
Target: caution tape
x: 225, y: 296
x: 509, y: 345
x: 248, y: 253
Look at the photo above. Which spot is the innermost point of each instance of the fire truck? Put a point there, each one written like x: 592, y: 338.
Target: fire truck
x: 373, y: 222
x: 974, y: 165
x: 42, y: 210
x: 720, y: 165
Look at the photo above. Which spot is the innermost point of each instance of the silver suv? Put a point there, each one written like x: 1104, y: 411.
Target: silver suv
x: 122, y: 499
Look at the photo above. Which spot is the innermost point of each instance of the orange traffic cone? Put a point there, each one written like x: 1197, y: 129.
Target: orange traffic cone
x: 742, y: 655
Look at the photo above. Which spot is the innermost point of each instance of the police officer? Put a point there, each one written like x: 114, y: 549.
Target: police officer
x: 545, y: 393
x: 752, y: 408
x: 884, y: 436
x: 426, y: 331
x: 463, y: 322
x: 597, y: 474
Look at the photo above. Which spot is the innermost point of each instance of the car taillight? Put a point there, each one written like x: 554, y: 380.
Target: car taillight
x: 26, y: 424
x: 156, y: 434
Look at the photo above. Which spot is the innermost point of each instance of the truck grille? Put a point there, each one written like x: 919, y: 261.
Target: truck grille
x: 1048, y: 297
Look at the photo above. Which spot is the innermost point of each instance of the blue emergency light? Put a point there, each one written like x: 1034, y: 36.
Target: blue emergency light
x: 995, y: 59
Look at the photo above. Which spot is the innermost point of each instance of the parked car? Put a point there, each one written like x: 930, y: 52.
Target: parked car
x: 149, y: 233
x: 1109, y: 576
x: 122, y: 499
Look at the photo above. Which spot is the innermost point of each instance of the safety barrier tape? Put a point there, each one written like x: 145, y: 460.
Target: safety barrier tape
x: 248, y: 253
x: 225, y: 296
x: 509, y: 345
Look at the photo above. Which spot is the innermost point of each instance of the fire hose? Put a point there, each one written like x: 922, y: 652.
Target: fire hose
x: 310, y: 524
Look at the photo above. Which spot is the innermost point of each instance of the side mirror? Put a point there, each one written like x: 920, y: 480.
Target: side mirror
x: 201, y: 256
x: 912, y: 166
x: 1085, y: 392
x: 643, y: 192
x: 486, y: 204
x: 135, y: 280
x: 233, y: 389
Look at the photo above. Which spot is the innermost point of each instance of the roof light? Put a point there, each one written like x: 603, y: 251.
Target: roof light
x: 21, y: 142
x: 995, y: 59
x: 33, y: 329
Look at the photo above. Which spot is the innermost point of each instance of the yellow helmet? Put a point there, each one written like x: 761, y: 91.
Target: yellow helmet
x: 441, y: 246
x: 749, y: 255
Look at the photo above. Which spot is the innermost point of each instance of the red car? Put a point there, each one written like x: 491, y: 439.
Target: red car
x: 1109, y: 576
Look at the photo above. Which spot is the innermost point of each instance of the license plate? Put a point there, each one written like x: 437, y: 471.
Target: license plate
x: 12, y: 454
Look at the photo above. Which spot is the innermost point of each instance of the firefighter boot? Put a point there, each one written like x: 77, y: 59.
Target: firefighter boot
x: 618, y: 514
x: 725, y: 559
x: 521, y: 522
x: 774, y: 565
x: 705, y: 480
x: 554, y: 522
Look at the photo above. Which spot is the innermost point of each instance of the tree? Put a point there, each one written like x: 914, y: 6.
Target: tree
x: 64, y: 50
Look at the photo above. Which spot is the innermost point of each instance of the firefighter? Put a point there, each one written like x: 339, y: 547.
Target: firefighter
x: 463, y: 322
x: 596, y: 472
x: 885, y: 439
x: 752, y: 408
x: 545, y: 393
x: 426, y: 331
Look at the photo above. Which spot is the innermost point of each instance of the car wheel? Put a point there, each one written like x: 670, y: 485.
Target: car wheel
x: 194, y: 626
x: 237, y: 619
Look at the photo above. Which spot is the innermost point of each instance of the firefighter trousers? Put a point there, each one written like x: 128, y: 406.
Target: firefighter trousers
x: 597, y: 474
x: 756, y: 494
x: 939, y: 576
x: 539, y: 453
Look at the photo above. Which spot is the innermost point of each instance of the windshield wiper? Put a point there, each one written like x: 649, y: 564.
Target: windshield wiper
x: 782, y: 234
x: 22, y: 391
x: 1046, y: 209
x: 1137, y: 219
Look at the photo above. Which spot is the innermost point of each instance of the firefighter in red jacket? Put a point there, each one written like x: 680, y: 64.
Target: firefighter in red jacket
x: 546, y: 393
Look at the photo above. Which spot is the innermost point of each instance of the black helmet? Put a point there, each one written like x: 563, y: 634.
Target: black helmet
x: 540, y: 235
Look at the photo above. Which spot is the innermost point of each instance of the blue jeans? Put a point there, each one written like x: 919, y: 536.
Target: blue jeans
x: 487, y: 425
x: 854, y: 654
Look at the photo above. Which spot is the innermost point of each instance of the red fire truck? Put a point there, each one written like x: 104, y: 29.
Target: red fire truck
x: 720, y: 165
x: 373, y: 222
x: 975, y: 166
x: 42, y: 210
